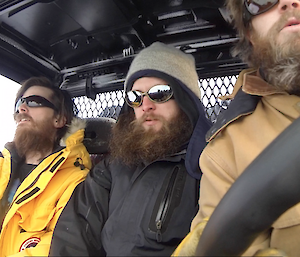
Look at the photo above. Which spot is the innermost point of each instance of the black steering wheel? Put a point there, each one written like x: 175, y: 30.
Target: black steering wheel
x: 267, y: 188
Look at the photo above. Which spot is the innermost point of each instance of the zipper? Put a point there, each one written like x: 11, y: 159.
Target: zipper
x: 33, y: 183
x: 54, y: 167
x: 31, y: 193
x: 164, y: 206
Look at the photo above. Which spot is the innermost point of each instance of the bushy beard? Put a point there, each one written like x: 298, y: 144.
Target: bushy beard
x: 279, y: 61
x: 35, y: 138
x: 133, y: 144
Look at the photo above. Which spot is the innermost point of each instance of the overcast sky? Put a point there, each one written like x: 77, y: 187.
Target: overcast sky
x: 7, y: 99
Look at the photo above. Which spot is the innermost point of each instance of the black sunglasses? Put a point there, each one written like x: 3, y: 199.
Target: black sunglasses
x: 256, y: 7
x: 157, y: 94
x: 34, y: 101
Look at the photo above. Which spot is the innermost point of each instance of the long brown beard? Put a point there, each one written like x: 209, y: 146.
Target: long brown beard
x: 133, y: 144
x: 34, y: 139
x: 280, y: 62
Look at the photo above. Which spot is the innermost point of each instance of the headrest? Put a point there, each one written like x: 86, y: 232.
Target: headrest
x: 97, y: 134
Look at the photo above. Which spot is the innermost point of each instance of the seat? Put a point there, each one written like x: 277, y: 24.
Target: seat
x: 97, y: 136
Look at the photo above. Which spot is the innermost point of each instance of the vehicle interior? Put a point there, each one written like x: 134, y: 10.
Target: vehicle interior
x: 86, y: 47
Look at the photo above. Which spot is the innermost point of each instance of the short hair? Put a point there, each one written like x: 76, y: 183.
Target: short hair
x: 243, y: 48
x: 60, y: 98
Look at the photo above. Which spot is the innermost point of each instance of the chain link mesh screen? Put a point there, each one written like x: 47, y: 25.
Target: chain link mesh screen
x: 106, y: 104
x: 109, y: 104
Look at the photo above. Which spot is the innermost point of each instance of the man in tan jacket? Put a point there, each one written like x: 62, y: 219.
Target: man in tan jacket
x: 266, y: 101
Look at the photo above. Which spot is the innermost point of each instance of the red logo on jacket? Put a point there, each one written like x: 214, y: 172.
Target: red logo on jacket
x: 31, y: 242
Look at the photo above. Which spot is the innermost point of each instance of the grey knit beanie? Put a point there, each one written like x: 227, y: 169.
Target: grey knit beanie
x: 168, y: 60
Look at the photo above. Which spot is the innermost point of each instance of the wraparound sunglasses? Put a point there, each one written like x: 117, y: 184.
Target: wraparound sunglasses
x: 156, y: 94
x: 256, y: 7
x: 34, y: 101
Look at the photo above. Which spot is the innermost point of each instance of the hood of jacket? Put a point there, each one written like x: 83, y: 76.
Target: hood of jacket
x: 76, y: 125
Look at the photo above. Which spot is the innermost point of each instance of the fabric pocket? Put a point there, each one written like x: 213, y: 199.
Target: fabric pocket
x: 34, y: 220
x: 169, y: 198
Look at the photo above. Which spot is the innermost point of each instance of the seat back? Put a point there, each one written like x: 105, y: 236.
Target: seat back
x: 97, y: 136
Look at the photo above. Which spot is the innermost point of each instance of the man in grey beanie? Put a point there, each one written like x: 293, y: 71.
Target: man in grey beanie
x: 141, y: 199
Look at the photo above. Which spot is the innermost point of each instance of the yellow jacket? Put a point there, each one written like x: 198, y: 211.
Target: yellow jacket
x: 232, y: 147
x: 29, y: 223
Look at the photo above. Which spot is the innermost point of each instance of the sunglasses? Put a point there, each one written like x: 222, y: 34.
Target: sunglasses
x: 157, y: 94
x: 34, y: 101
x: 256, y: 7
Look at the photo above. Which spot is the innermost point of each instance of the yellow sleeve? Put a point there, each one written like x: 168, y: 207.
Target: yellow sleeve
x: 269, y: 252
x: 189, y: 244
x: 43, y: 247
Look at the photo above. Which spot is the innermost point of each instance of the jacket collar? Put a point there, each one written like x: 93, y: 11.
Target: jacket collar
x: 248, y: 90
x: 254, y: 84
x: 76, y: 125
x: 68, y: 140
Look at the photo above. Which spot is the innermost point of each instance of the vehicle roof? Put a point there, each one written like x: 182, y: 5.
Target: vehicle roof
x: 86, y: 46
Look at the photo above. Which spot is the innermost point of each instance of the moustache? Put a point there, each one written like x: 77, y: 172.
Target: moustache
x: 146, y: 117
x: 20, y: 116
x: 283, y: 20
x: 139, y: 122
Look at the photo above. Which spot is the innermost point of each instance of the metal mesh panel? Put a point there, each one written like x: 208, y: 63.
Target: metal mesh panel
x: 109, y: 104
x: 211, y: 89
x: 106, y: 104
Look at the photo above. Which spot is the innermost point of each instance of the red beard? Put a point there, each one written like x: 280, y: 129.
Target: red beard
x: 279, y: 61
x: 35, y: 138
x: 133, y: 144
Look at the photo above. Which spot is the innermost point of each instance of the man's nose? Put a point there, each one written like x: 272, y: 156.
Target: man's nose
x: 147, y: 104
x: 23, y: 108
x: 289, y: 4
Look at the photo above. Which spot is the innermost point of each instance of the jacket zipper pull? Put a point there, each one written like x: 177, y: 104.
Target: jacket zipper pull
x: 158, y: 232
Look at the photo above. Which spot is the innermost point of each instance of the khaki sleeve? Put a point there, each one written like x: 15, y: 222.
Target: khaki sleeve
x: 215, y: 182
x: 218, y: 176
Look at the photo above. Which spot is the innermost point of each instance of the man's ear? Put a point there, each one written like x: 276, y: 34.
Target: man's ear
x: 60, y: 121
x: 249, y: 35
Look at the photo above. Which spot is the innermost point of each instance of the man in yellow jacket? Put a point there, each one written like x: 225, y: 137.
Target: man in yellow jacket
x: 40, y: 168
x: 266, y: 100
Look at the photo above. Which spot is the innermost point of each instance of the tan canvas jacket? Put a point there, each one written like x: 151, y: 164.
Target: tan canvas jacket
x: 236, y: 144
